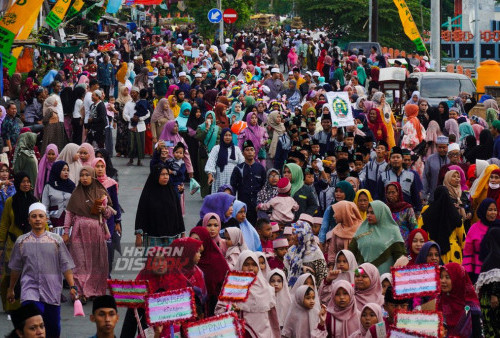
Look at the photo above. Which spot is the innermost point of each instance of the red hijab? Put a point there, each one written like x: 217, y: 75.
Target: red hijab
x: 400, y: 205
x: 212, y: 262
x: 220, y: 115
x: 453, y: 303
x: 377, y: 127
x: 154, y: 272
x: 413, y: 256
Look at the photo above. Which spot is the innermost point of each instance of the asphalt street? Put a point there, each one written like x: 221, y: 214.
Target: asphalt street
x: 131, y: 182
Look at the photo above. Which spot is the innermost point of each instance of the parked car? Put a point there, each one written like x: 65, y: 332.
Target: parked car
x: 441, y: 86
x: 365, y: 46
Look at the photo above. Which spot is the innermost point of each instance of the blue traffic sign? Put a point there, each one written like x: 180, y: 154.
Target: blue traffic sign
x: 214, y: 15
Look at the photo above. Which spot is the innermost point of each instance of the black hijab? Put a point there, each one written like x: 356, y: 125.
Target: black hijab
x: 21, y: 202
x: 56, y: 181
x: 193, y: 122
x: 441, y: 218
x: 489, y: 252
x: 446, y: 114
x: 223, y: 150
x: 159, y: 211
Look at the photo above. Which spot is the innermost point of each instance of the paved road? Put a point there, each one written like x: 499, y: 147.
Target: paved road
x: 132, y: 180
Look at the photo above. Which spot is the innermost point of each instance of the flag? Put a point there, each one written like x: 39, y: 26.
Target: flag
x: 113, y: 6
x: 75, y: 8
x: 409, y: 25
x: 56, y: 15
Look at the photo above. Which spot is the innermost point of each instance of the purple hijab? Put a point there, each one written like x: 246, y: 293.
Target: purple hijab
x: 463, y: 181
x: 168, y: 135
x: 254, y: 133
x: 44, y: 168
x: 217, y: 203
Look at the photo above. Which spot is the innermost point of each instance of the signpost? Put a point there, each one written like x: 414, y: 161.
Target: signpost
x: 214, y: 15
x: 230, y: 15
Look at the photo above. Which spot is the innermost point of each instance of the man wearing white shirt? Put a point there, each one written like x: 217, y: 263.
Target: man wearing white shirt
x: 137, y: 133
x: 56, y: 90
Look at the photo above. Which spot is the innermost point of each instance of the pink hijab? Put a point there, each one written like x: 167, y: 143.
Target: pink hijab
x: 477, y: 130
x: 292, y: 56
x: 254, y: 133
x: 221, y: 243
x: 463, y: 181
x: 374, y: 292
x: 91, y: 152
x: 44, y: 168
x: 299, y: 321
x: 361, y: 333
x: 349, y: 315
x: 106, y: 181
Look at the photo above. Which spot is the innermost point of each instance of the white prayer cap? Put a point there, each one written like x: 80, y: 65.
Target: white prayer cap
x: 275, y: 70
x: 316, y: 73
x: 453, y: 147
x: 37, y: 206
x: 182, y: 74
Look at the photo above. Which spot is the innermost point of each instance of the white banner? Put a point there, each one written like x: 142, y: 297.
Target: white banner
x: 340, y: 108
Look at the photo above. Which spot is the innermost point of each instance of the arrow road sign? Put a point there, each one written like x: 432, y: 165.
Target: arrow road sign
x: 214, y: 15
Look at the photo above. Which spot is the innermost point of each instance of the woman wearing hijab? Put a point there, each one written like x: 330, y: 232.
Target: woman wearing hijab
x: 465, y: 129
x: 69, y: 154
x: 24, y: 156
x: 443, y: 224
x: 387, y: 117
x: 221, y: 118
x: 480, y: 187
x: 250, y: 235
x: 416, y: 240
x: 342, y: 317
x: 414, y: 98
x: 88, y: 208
x: 213, y: 264
x: 208, y: 134
x: 452, y: 181
x: 44, y: 167
x: 432, y: 133
x: 211, y: 221
x: 459, y: 303
x: 484, y: 150
x: 161, y: 115
x: 219, y: 203
x: 159, y: 215
x: 122, y: 132
x: 275, y: 128
x: 141, y: 80
x: 53, y: 130
x: 378, y: 239
x: 194, y: 120
x: 376, y: 124
x: 362, y: 200
x: 182, y: 118
x: 87, y: 154
x: 57, y: 192
x: 487, y: 219
x: 256, y: 134
x: 402, y: 212
x: 114, y: 221
x: 170, y: 135
x: 348, y: 220
x: 223, y: 158
x: 413, y: 130
x: 14, y: 223
x: 304, y: 254
x: 268, y: 191
x: 303, y: 194
x: 172, y: 104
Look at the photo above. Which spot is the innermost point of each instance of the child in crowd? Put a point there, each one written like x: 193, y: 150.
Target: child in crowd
x: 391, y: 305
x: 251, y: 236
x: 275, y: 228
x: 235, y: 244
x: 288, y: 234
x: 280, y: 247
x: 301, y: 319
x: 264, y: 266
x: 367, y: 285
x: 142, y: 107
x: 160, y: 155
x: 277, y: 280
x: 111, y: 112
x: 341, y: 317
x: 386, y: 280
x: 371, y: 314
x: 264, y: 230
x: 283, y: 205
x: 343, y: 269
x: 177, y: 168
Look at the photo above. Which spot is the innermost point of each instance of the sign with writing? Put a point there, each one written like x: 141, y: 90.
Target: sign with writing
x: 225, y: 325
x: 340, y: 109
x: 424, y: 322
x: 129, y: 293
x: 399, y: 333
x: 56, y: 15
x: 237, y: 286
x: 415, y: 281
x: 170, y: 306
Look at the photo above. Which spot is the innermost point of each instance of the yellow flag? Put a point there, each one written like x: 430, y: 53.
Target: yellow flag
x: 409, y: 25
x: 13, y: 20
x: 57, y: 13
x: 75, y: 8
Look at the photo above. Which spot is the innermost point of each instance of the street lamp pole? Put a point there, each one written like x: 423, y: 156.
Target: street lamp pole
x: 436, y: 35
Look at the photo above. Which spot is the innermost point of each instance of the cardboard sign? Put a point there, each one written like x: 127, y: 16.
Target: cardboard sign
x: 415, y: 281
x: 171, y: 306
x: 340, y: 109
x: 423, y: 322
x: 398, y: 333
x: 225, y: 325
x: 237, y: 286
x: 129, y: 293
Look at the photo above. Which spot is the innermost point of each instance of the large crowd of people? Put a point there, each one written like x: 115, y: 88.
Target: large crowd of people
x: 320, y: 213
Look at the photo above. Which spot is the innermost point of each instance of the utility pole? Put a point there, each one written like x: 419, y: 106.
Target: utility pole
x: 370, y: 14
x: 477, y: 35
x: 374, y: 13
x: 436, y: 35
x: 221, y: 24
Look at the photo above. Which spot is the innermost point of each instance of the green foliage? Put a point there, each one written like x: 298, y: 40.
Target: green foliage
x: 347, y: 20
x: 278, y: 7
x: 199, y: 10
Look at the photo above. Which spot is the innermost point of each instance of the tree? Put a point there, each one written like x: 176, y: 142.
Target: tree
x: 198, y: 9
x: 347, y: 20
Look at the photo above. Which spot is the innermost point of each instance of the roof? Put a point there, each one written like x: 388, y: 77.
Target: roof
x: 440, y: 75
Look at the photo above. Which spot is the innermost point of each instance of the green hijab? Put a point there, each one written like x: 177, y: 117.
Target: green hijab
x: 212, y: 132
x: 249, y: 101
x: 346, y: 187
x: 374, y: 239
x: 297, y: 177
x: 491, y: 115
